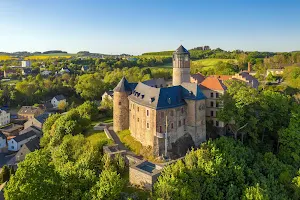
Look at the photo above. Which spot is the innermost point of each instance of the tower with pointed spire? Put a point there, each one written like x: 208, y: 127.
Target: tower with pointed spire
x: 121, y: 105
x: 181, y: 66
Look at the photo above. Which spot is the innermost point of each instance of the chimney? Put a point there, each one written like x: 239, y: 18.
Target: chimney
x: 249, y: 67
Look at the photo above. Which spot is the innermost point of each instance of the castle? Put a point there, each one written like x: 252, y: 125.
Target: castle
x: 163, y: 117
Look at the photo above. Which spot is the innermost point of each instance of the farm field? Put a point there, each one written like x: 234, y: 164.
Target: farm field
x: 210, y: 62
x: 47, y: 56
x: 6, y: 57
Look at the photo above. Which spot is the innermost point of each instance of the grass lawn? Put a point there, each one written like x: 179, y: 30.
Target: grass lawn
x: 106, y: 120
x: 166, y: 66
x: 97, y: 136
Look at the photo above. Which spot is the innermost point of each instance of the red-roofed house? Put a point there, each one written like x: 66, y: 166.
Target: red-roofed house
x: 213, y: 88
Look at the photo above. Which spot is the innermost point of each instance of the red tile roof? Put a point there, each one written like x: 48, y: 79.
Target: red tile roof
x: 212, y: 83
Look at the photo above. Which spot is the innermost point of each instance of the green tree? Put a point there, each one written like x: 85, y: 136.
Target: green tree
x: 5, y: 174
x: 90, y: 86
x: 35, y: 178
x: 108, y: 187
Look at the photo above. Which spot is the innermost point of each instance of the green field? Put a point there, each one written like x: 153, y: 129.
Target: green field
x: 166, y: 66
x: 210, y: 63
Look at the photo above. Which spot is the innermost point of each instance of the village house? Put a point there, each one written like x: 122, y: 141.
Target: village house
x: 46, y: 73
x: 29, y: 112
x: 197, y: 78
x: 64, y: 70
x: 10, y: 72
x: 37, y: 121
x: 4, y: 117
x: 247, y: 78
x: 57, y: 100
x: 108, y: 95
x: 14, y: 144
x: 2, y: 141
x: 84, y: 68
x: 26, y: 63
x: 11, y: 130
x: 26, y: 71
x: 213, y: 88
x: 31, y: 146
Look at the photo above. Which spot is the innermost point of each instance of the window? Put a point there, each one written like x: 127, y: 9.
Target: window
x: 211, y: 94
x: 162, y: 114
x: 217, y: 123
x: 12, y: 147
x: 147, y: 125
x: 172, y: 126
x: 119, y: 103
x: 182, y: 110
x: 133, y: 106
x: 147, y: 112
x: 211, y: 113
x: 211, y: 104
x: 179, y: 123
x: 138, y: 109
x: 183, y: 121
x: 217, y: 95
x: 217, y: 104
x: 138, y: 119
x: 172, y: 112
x: 160, y: 129
x: 133, y: 116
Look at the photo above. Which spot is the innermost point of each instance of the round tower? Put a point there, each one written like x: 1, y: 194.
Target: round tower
x: 121, y: 105
x: 181, y: 66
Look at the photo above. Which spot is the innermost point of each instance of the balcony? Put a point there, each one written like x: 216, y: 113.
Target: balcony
x: 160, y: 135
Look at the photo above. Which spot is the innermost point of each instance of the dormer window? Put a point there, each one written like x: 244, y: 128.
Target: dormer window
x: 169, y: 100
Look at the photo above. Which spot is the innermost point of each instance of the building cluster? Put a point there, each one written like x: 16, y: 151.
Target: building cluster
x: 21, y: 134
x: 172, y: 119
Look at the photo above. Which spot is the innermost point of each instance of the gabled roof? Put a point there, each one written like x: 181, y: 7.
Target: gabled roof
x: 223, y: 77
x: 60, y: 97
x: 31, y: 128
x: 42, y: 118
x: 24, y: 136
x: 27, y: 70
x: 198, y: 77
x: 212, y: 83
x: 28, y: 110
x: 124, y: 86
x: 181, y: 50
x: 33, y: 144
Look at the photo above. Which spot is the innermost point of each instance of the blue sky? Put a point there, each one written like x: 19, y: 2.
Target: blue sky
x: 137, y: 26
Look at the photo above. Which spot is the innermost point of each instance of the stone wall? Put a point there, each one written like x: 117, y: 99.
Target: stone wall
x: 120, y: 111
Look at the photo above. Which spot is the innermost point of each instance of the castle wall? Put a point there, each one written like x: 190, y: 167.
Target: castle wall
x: 142, y: 125
x: 120, y: 111
x: 196, y: 122
x: 213, y: 104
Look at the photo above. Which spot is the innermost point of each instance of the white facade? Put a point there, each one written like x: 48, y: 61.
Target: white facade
x: 55, y: 102
x: 16, y: 146
x: 2, y: 142
x: 4, y: 117
x: 26, y: 63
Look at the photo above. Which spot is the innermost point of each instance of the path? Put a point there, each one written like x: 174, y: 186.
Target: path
x: 121, y: 146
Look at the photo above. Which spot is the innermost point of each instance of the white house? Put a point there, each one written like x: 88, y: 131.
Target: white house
x: 17, y: 142
x: 4, y: 117
x: 46, y: 73
x: 84, y: 68
x: 26, y: 63
x: 64, y: 70
x: 108, y: 94
x: 2, y: 141
x: 57, y: 99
